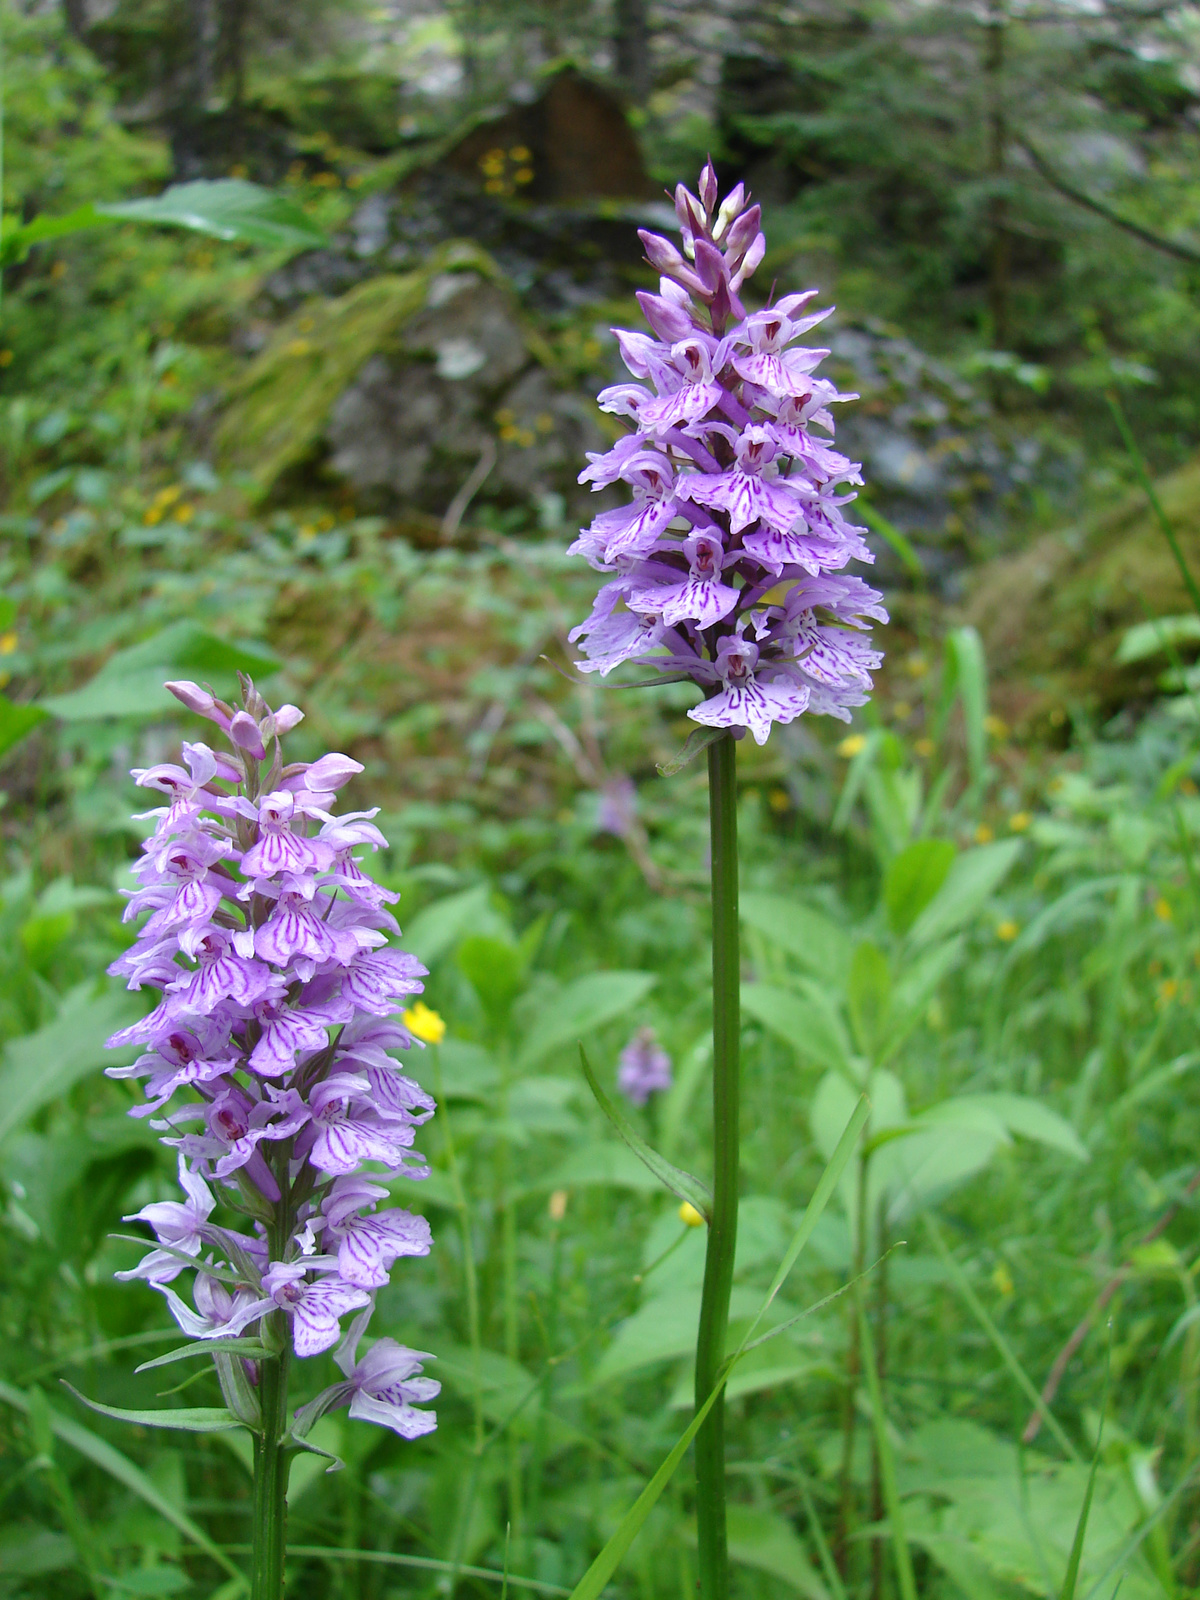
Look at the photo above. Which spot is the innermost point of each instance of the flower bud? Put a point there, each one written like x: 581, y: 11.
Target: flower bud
x: 243, y: 730
x: 669, y: 322
x: 742, y: 232
x: 286, y: 718
x: 730, y: 207
x: 331, y: 771
x: 710, y: 264
x: 708, y: 186
x: 201, y: 701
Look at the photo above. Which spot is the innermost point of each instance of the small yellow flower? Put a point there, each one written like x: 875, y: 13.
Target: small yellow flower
x: 1162, y: 908
x: 424, y: 1023
x: 779, y: 800
x: 689, y: 1215
x: 558, y: 1205
x: 984, y: 834
x: 520, y: 153
x: 1007, y: 930
x: 996, y: 726
x: 297, y: 347
x: 916, y: 665
x: 901, y: 710
x: 5, y: 358
x: 1019, y: 821
x: 184, y: 513
x: 1186, y: 785
x: 852, y: 744
x: 1002, y: 1278
x: 1167, y: 990
x: 8, y: 643
x: 924, y: 748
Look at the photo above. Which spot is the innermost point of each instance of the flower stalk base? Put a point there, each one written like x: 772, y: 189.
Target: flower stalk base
x: 271, y: 1462
x: 722, y: 1233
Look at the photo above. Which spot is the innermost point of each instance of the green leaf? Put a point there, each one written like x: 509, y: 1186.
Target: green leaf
x: 130, y: 683
x: 151, y: 1581
x: 27, y: 1552
x: 811, y: 1029
x: 913, y: 878
x: 813, y: 938
x: 868, y: 998
x: 251, y: 1349
x: 970, y: 882
x: 39, y: 1067
x: 191, y: 1419
x: 698, y: 740
x: 596, y: 1578
x: 878, y: 523
x: 495, y: 971
x: 18, y: 242
x: 681, y: 1184
x: 1149, y: 638
x: 580, y: 1008
x: 226, y: 208
x: 440, y: 926
x: 119, y: 1467
x: 601, y: 1164
x: 768, y: 1542
x: 965, y: 675
x: 1025, y: 1116
x: 17, y: 721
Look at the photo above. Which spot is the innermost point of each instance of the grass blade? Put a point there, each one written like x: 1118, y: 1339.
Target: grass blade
x: 887, y: 1464
x: 1001, y: 1344
x: 681, y: 1184
x: 591, y: 1585
x: 118, y: 1466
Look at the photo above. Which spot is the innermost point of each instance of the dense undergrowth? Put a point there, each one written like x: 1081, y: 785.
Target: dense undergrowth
x: 1002, y: 942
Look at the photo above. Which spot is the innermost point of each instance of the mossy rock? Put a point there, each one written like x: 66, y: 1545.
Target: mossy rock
x: 405, y: 384
x: 1053, y: 617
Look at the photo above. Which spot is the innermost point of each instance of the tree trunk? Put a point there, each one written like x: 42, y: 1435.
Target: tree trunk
x: 631, y: 48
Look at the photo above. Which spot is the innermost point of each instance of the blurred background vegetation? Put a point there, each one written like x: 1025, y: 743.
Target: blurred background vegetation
x: 350, y: 469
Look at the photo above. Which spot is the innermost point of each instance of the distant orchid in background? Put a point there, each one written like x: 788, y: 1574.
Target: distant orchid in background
x: 728, y: 560
x: 282, y: 1002
x: 644, y: 1068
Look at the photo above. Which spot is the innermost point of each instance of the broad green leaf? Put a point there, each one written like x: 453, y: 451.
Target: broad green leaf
x: 1030, y: 1118
x: 916, y: 987
x: 1149, y: 638
x: 664, y: 1329
x: 130, y: 683
x: 811, y: 1029
x: 467, y: 1070
x: 494, y: 970
x: 768, y: 1542
x: 681, y: 1184
x: 972, y: 879
x: 580, y: 1008
x: 227, y: 208
x: 441, y: 925
x: 926, y: 1162
x: 16, y: 721
x: 39, y: 1067
x: 28, y: 1552
x: 146, y: 1583
x: 868, y: 998
x: 191, y: 1419
x: 601, y: 1164
x: 912, y: 880
x: 812, y: 937
x: 123, y: 1471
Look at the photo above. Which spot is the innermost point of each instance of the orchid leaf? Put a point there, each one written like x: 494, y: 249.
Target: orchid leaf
x: 681, y: 1184
x: 698, y: 740
x: 192, y: 1419
x: 249, y: 1349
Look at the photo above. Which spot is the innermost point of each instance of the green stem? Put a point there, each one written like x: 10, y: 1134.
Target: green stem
x: 722, y: 1233
x: 270, y: 1482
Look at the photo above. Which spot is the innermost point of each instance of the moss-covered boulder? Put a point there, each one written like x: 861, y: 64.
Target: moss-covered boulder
x: 1053, y: 617
x: 410, y: 387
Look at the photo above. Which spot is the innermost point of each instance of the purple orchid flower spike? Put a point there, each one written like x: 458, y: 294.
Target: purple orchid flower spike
x: 734, y: 499
x: 269, y: 1066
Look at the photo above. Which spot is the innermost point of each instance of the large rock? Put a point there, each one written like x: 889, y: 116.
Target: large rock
x: 1053, y: 617
x: 408, y: 386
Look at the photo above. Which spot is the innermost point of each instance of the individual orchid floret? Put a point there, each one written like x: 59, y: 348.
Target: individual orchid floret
x: 736, y: 504
x: 268, y: 1064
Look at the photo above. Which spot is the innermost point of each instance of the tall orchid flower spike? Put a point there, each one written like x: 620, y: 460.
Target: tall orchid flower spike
x: 727, y: 567
x: 268, y: 1065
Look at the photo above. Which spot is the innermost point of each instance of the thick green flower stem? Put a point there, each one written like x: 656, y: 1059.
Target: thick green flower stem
x: 722, y: 1232
x: 271, y: 1461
